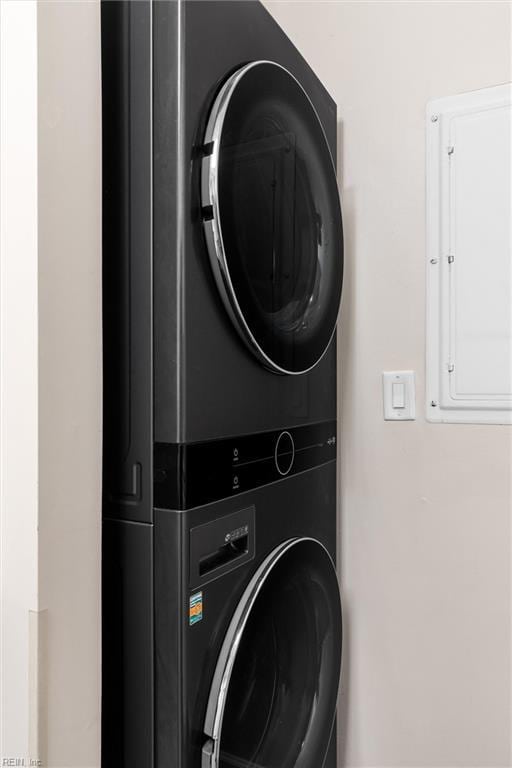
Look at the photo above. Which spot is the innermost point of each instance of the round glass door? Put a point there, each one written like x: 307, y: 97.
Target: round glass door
x: 272, y: 217
x: 273, y: 698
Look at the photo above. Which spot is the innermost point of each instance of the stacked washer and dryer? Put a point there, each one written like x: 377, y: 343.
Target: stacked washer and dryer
x: 223, y: 254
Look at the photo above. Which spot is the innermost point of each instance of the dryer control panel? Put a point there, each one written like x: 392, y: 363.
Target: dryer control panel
x: 193, y: 474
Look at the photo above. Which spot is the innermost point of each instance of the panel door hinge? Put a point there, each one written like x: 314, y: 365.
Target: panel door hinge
x: 451, y: 258
x: 450, y: 149
x: 450, y: 367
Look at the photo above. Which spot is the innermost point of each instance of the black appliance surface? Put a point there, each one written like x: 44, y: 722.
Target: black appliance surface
x: 238, y: 597
x: 223, y: 258
x: 197, y: 473
x: 178, y: 366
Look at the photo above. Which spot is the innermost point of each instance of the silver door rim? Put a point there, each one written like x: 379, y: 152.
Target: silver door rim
x: 213, y: 229
x: 227, y: 657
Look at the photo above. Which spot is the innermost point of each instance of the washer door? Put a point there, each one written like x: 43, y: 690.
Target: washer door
x: 273, y: 699
x: 272, y: 217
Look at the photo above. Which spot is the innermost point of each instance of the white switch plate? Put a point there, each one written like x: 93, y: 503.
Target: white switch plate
x: 399, y: 394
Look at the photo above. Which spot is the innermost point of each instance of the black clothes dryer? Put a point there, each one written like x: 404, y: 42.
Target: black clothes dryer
x: 223, y: 244
x: 223, y: 259
x: 223, y: 625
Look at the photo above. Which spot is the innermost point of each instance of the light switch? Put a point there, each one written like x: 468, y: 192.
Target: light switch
x: 399, y: 395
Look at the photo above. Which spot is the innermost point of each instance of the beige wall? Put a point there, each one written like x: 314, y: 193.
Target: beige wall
x: 50, y: 383
x: 425, y: 520
x: 69, y: 212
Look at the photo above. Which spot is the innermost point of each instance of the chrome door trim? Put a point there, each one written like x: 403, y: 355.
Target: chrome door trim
x: 227, y: 657
x: 212, y: 227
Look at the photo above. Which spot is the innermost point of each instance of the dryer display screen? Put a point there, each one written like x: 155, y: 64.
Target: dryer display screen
x: 218, y: 469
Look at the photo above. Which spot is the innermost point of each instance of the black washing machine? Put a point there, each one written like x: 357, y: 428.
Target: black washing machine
x: 223, y: 263
x: 222, y: 622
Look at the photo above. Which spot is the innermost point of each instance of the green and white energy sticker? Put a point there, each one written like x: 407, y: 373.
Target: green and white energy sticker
x: 195, y: 613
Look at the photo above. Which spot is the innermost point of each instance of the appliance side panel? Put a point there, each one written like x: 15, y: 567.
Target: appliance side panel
x: 167, y: 224
x: 128, y: 663
x: 127, y: 271
x: 170, y: 586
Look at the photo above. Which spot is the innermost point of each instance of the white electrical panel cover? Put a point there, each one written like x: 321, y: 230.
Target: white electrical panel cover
x: 469, y: 257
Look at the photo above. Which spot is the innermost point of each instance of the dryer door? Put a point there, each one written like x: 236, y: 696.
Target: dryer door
x: 273, y: 698
x: 272, y: 217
